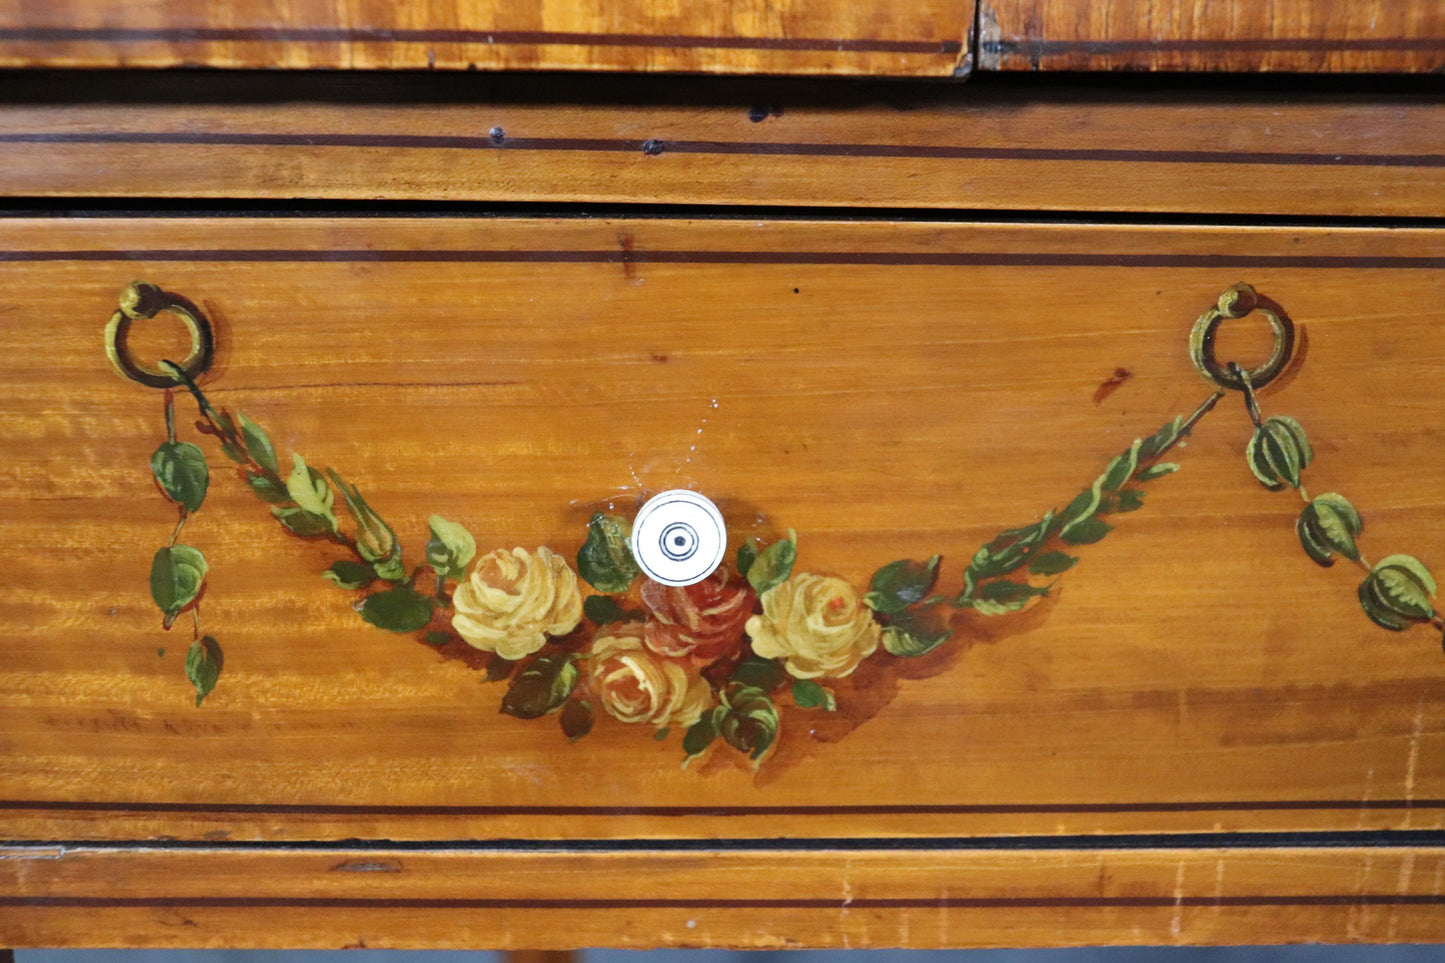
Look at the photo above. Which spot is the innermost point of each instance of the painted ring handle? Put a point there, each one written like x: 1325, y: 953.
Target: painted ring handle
x: 140, y: 301
x: 1237, y: 302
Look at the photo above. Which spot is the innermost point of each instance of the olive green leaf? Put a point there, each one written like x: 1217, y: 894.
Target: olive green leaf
x: 915, y: 632
x: 1397, y: 592
x: 759, y: 673
x: 661, y: 734
x: 999, y: 598
x: 1010, y: 549
x: 604, y: 610
x: 1082, y: 509
x: 1329, y: 524
x: 450, y: 549
x: 375, y: 540
x: 1131, y: 499
x: 808, y: 694
x: 298, y: 521
x: 258, y: 443
x: 228, y: 430
x: 774, y: 564
x: 750, y: 724
x: 701, y: 734
x: 605, y: 559
x: 498, y: 668
x: 542, y: 687
x: 1052, y: 563
x: 268, y: 490
x: 900, y: 584
x: 349, y: 574
x: 1121, y: 469
x: 576, y: 719
x: 1158, y: 470
x: 1086, y: 531
x: 311, y: 493
x: 747, y: 555
x: 1159, y: 442
x: 177, y: 574
x: 180, y: 470
x: 397, y: 609
x: 436, y: 638
x: 203, y: 666
x: 1277, y: 452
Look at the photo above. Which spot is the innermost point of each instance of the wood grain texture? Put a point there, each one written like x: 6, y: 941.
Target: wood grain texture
x: 924, y: 38
x: 889, y: 390
x: 1377, y: 36
x: 769, y: 899
x: 982, y: 148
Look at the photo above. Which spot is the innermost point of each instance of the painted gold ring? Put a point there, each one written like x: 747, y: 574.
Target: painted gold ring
x: 1240, y: 301
x: 140, y: 301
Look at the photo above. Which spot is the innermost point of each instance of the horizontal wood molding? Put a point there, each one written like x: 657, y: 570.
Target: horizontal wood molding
x: 1375, y: 36
x: 985, y: 149
x: 917, y: 898
x: 446, y: 364
x: 927, y: 38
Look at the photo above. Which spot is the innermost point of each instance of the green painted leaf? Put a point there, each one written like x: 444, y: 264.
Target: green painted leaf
x: 604, y: 610
x: 349, y: 575
x: 1277, y: 453
x: 1000, y: 598
x: 450, y: 549
x: 437, y: 638
x: 1086, y: 532
x: 1158, y: 470
x: 298, y: 521
x: 900, y: 584
x: 1081, y: 510
x: 576, y: 719
x: 774, y: 564
x: 180, y: 471
x: 498, y: 668
x: 1413, y: 566
x: 1052, y: 563
x: 375, y: 540
x: 398, y: 609
x: 759, y: 673
x: 1329, y: 524
x: 1128, y: 500
x: 311, y: 492
x: 203, y: 666
x: 915, y: 632
x: 268, y: 490
x: 661, y: 734
x: 1377, y: 610
x: 605, y: 559
x: 1402, y: 586
x: 701, y: 734
x: 258, y: 443
x: 808, y: 694
x: 750, y: 724
x: 1121, y: 469
x: 1160, y: 441
x: 747, y: 555
x: 177, y: 574
x: 541, y: 687
x: 1010, y: 549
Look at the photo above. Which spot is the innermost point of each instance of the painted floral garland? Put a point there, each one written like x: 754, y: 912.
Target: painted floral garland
x: 714, y: 659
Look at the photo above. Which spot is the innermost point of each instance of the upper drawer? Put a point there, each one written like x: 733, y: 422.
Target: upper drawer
x: 927, y: 38
x: 1396, y: 36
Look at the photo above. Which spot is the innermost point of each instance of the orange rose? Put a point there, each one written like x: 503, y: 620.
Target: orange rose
x: 703, y: 621
x: 635, y: 685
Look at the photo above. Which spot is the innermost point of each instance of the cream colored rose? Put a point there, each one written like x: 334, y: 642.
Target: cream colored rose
x: 513, y: 600
x: 635, y: 685
x: 817, y: 625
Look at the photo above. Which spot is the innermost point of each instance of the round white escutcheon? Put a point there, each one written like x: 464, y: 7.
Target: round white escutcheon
x: 679, y: 537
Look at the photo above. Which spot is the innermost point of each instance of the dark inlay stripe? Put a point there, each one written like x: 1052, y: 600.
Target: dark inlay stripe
x: 793, y: 149
x: 487, y: 37
x: 309, y: 809
x: 827, y: 903
x: 889, y: 258
x: 1048, y: 48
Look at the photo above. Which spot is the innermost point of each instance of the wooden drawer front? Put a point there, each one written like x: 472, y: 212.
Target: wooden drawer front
x: 790, y: 145
x: 886, y: 390
x: 919, y: 38
x: 1377, y: 36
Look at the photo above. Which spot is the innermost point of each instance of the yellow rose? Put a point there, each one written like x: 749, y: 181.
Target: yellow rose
x: 817, y: 625
x: 513, y: 600
x: 635, y: 685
